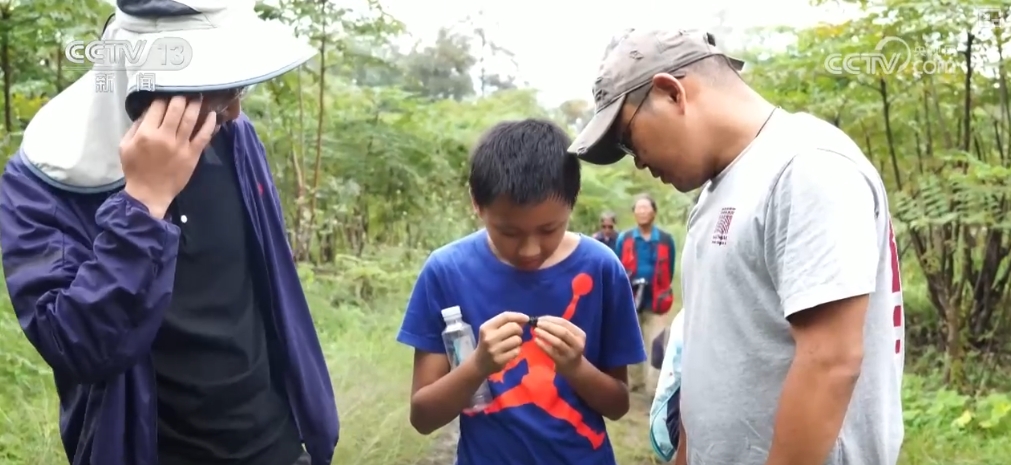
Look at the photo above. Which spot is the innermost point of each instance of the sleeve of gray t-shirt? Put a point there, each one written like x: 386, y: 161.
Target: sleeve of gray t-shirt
x: 821, y: 234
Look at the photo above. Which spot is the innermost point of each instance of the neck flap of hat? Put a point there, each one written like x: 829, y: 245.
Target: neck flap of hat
x: 167, y: 8
x: 72, y: 143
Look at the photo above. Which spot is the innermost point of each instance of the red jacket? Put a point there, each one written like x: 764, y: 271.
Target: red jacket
x: 660, y: 288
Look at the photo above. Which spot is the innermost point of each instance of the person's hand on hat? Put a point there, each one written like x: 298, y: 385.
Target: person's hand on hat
x: 161, y: 149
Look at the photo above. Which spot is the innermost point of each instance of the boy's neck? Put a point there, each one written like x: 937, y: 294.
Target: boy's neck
x: 568, y: 245
x: 645, y: 231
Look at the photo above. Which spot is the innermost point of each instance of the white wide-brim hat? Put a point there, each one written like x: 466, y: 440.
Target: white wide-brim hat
x: 174, y: 46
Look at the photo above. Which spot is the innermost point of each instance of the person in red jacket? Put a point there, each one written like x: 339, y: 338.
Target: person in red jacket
x: 647, y: 253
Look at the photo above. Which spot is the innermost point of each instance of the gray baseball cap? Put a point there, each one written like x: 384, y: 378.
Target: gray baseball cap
x: 630, y: 62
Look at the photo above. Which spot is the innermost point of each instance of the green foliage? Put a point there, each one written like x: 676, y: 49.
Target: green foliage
x: 952, y: 415
x: 27, y: 400
x: 369, y: 145
x: 939, y: 140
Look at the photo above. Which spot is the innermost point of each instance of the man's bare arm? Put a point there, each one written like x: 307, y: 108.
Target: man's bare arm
x: 820, y: 382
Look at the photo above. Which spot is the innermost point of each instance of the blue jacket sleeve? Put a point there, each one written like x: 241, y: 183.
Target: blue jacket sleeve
x: 621, y: 338
x: 319, y: 407
x: 665, y: 413
x: 90, y: 308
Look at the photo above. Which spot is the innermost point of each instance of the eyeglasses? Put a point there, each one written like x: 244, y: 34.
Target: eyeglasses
x: 225, y: 98
x: 625, y: 141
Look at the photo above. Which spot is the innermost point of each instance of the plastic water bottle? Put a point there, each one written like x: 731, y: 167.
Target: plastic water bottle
x: 460, y: 343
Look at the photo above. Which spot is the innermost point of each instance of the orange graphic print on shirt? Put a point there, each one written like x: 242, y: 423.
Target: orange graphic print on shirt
x: 537, y: 387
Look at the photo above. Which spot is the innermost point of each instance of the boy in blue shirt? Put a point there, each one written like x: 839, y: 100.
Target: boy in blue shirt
x: 552, y: 382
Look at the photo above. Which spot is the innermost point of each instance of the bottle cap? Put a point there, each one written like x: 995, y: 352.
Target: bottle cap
x: 451, y: 312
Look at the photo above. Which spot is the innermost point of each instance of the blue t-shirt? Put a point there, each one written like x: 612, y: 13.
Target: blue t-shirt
x: 535, y: 417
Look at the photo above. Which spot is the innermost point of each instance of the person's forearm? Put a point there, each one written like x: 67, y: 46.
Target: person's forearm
x: 601, y: 391
x: 815, y: 397
x: 157, y: 205
x: 92, y: 310
x: 437, y: 404
x: 681, y: 456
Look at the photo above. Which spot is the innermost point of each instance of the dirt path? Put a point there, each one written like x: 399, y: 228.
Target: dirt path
x: 443, y: 451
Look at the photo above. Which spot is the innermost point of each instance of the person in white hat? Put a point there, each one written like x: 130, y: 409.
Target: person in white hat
x: 146, y: 258
x: 793, y: 325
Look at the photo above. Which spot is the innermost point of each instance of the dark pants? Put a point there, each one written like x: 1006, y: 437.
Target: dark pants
x: 303, y: 460
x: 673, y: 418
x: 659, y: 345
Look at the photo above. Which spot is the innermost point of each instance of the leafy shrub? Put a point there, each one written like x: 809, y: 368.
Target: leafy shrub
x: 945, y: 412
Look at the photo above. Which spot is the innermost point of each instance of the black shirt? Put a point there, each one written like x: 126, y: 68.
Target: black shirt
x: 218, y: 399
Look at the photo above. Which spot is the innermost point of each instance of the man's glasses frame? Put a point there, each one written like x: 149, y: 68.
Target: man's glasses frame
x: 228, y: 96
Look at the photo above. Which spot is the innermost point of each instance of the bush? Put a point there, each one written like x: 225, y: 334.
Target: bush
x: 948, y: 415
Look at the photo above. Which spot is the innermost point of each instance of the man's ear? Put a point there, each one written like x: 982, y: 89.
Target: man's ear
x: 669, y: 86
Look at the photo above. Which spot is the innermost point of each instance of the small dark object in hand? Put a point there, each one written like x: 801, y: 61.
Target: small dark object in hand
x: 532, y: 322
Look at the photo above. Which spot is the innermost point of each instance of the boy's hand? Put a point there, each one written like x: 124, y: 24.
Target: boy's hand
x: 562, y: 341
x: 499, y: 341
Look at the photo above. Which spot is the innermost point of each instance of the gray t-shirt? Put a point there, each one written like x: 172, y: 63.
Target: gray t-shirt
x: 798, y: 220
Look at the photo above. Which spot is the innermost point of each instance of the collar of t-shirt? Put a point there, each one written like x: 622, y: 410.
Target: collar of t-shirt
x: 637, y: 234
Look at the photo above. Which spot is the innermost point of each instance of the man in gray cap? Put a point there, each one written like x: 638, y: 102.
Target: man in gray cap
x: 793, y: 326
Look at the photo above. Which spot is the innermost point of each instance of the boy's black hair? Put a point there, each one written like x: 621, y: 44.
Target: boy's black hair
x: 525, y: 161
